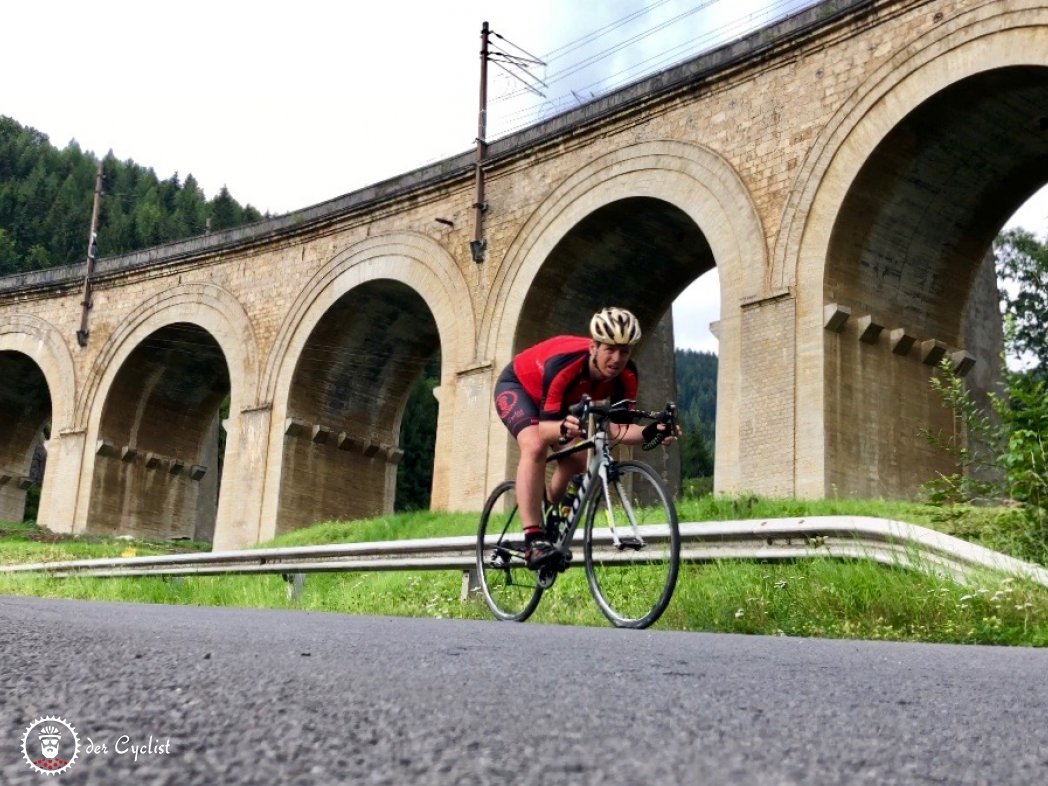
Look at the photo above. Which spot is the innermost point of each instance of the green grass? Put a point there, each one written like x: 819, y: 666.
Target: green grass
x: 817, y: 597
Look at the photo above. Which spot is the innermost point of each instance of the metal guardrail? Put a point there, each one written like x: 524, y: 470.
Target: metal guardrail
x: 838, y: 537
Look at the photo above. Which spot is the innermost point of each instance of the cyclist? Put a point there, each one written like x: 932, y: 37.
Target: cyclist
x: 532, y: 397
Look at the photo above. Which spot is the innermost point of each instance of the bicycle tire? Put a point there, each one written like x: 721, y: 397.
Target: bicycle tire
x: 510, y: 590
x: 632, y: 587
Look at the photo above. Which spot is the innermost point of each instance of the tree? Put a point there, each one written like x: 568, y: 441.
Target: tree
x: 697, y: 405
x: 696, y: 460
x: 224, y: 210
x: 190, y: 208
x: 1022, y: 261
x: 36, y: 258
x: 149, y: 221
x: 68, y: 221
x: 1013, y: 441
x: 8, y: 255
x: 418, y: 430
x: 46, y: 196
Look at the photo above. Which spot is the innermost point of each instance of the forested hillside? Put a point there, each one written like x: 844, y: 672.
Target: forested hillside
x: 46, y: 196
x: 697, y: 403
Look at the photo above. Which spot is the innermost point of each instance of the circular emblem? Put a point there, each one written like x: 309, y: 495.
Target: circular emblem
x: 50, y: 745
x: 505, y: 402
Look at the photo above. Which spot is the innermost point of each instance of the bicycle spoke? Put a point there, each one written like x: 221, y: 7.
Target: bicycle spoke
x: 510, y: 589
x: 632, y: 583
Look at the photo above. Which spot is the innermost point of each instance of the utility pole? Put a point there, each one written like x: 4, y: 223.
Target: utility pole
x: 495, y: 53
x: 89, y: 266
x: 479, y: 245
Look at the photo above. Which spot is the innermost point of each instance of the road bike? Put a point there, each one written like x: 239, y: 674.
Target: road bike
x: 631, y: 541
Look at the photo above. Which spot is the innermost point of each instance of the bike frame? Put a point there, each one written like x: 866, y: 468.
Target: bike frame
x: 512, y: 591
x: 599, y: 464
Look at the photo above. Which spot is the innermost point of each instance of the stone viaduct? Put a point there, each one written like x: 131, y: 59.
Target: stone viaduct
x: 845, y: 171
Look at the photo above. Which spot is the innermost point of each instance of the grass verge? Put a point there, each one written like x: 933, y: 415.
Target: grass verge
x: 817, y: 597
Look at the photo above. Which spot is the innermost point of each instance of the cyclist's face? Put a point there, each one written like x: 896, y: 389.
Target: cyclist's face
x: 609, y: 360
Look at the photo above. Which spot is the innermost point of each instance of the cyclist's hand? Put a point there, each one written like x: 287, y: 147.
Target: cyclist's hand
x: 656, y: 434
x: 671, y: 435
x: 570, y: 428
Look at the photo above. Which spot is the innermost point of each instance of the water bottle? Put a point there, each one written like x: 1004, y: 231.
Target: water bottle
x: 571, y: 495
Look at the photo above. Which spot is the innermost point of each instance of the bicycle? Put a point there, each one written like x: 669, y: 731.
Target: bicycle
x: 631, y: 563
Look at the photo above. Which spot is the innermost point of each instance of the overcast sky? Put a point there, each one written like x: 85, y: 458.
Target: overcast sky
x: 290, y: 104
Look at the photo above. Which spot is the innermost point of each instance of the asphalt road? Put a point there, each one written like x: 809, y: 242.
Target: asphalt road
x: 256, y: 696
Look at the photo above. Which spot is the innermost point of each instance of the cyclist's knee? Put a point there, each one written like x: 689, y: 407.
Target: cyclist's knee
x: 531, y: 444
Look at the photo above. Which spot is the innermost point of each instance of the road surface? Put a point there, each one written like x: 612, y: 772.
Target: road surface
x: 258, y: 696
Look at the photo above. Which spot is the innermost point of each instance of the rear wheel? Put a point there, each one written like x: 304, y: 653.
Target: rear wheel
x: 632, y: 583
x: 510, y: 589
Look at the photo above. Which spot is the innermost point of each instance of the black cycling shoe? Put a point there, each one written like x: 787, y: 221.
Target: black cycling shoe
x: 539, y: 552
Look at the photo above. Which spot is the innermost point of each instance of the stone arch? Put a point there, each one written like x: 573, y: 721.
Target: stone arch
x: 43, y: 343
x: 693, y: 180
x: 406, y: 256
x: 991, y: 38
x: 215, y: 316
x: 39, y: 344
x: 402, y: 272
x: 696, y: 180
x: 208, y: 306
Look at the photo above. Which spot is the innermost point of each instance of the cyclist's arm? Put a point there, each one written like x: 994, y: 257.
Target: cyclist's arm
x: 550, y: 430
x: 628, y: 434
x: 633, y: 434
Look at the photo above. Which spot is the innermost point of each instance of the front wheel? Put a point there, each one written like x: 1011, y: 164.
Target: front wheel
x: 633, y: 581
x: 511, y: 590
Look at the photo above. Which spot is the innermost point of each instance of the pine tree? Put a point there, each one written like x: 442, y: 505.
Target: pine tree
x: 224, y: 211
x: 8, y: 255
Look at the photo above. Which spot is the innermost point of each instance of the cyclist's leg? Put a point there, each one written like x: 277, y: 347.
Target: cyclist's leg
x: 531, y: 476
x: 566, y: 469
x: 531, y: 481
x: 521, y: 416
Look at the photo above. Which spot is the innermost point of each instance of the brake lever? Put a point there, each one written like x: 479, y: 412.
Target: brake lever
x: 653, y: 435
x: 580, y: 410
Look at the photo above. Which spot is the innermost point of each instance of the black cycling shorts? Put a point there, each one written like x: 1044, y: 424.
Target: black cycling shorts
x: 514, y: 405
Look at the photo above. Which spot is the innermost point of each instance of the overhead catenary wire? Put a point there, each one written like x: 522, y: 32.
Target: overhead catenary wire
x: 529, y: 57
x: 513, y: 121
x: 505, y: 124
x: 578, y: 43
x: 682, y: 51
x: 585, y: 62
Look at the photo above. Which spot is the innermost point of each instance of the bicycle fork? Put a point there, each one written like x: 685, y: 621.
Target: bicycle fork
x: 634, y: 541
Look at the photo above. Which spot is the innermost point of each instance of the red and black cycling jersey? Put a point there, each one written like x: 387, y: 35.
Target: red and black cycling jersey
x: 555, y: 374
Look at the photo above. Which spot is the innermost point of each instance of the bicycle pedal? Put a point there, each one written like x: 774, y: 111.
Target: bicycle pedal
x: 636, y: 544
x: 546, y: 577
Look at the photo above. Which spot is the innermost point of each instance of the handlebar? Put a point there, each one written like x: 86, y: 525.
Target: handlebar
x: 621, y: 413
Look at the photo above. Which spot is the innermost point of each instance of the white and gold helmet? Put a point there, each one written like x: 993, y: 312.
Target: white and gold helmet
x: 615, y: 326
